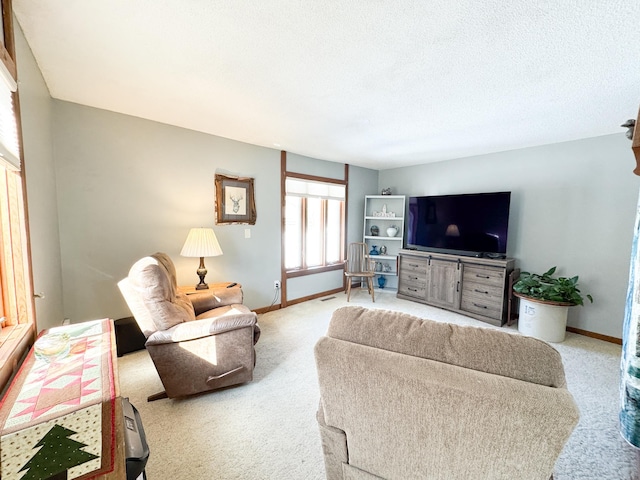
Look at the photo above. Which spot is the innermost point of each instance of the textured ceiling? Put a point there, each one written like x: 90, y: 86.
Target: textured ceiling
x: 368, y: 82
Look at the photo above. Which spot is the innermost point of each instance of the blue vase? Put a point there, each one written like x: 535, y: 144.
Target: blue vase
x: 382, y: 281
x: 374, y: 251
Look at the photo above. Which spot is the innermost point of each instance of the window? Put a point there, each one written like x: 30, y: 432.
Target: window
x: 314, y: 224
x: 16, y: 299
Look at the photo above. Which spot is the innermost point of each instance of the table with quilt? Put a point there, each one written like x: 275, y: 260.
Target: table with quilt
x: 61, y: 417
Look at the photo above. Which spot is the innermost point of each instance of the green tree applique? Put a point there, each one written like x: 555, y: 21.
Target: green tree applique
x: 58, y: 454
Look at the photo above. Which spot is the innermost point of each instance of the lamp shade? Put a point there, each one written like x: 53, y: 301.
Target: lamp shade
x: 201, y: 242
x: 452, y: 231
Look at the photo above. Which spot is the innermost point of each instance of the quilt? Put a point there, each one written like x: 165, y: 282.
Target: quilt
x: 58, y: 418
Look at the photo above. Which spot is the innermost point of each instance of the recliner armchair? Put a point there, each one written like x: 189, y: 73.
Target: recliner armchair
x: 198, y: 342
x: 403, y: 397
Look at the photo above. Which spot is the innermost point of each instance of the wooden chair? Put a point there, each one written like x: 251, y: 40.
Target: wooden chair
x: 358, y: 264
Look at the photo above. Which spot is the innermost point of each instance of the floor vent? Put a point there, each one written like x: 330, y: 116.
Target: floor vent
x: 325, y: 299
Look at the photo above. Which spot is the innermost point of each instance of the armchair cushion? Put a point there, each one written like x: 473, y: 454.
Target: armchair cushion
x: 154, y: 281
x: 223, y: 319
x: 206, y: 300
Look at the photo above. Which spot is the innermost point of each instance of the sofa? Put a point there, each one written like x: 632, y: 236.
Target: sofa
x: 407, y: 398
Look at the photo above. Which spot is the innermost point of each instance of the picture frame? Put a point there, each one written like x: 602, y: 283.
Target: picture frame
x: 235, y: 200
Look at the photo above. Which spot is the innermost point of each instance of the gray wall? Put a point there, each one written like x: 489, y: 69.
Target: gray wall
x: 35, y: 106
x: 362, y: 182
x: 573, y: 205
x: 128, y: 187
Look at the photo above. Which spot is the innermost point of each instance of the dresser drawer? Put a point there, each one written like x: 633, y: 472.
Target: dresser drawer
x: 415, y: 265
x: 415, y: 279
x: 482, y: 301
x: 484, y: 275
x: 486, y: 307
x: 483, y: 291
x: 412, y: 291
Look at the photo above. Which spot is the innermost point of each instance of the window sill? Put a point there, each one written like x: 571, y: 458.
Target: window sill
x: 15, y: 341
x: 314, y: 270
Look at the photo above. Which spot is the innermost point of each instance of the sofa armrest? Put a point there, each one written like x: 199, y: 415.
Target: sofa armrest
x: 233, y: 319
x: 210, y: 299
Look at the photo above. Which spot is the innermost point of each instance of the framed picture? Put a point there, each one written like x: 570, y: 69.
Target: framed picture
x: 235, y: 201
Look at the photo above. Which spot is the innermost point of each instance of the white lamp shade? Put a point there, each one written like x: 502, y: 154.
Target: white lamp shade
x: 201, y: 242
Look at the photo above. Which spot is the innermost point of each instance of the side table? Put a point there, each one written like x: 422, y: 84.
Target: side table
x: 191, y: 289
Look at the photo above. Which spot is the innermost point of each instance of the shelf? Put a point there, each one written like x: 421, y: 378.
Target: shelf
x: 376, y: 237
x: 399, y: 219
x: 383, y: 257
x: 393, y: 274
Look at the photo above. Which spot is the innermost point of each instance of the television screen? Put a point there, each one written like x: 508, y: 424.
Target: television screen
x: 469, y: 224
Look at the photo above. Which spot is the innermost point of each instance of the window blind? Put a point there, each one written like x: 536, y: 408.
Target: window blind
x: 9, y: 144
x: 308, y: 188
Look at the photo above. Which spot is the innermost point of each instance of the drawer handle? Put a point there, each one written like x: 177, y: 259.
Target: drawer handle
x: 412, y: 289
x: 483, y: 276
x: 480, y: 291
x: 414, y: 265
x: 413, y: 278
x: 480, y: 306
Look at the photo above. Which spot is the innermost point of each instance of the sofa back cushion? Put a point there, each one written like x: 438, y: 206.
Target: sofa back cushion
x: 153, y: 280
x: 404, y: 416
x: 484, y: 349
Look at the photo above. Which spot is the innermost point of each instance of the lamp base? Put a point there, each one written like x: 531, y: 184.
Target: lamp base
x: 202, y: 271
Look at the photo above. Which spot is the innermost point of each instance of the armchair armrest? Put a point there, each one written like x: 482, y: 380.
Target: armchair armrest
x: 210, y: 299
x: 232, y: 319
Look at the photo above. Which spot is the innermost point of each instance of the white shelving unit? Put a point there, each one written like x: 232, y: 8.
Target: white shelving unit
x: 384, y: 211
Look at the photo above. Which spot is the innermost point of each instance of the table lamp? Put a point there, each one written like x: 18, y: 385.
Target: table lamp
x: 201, y: 242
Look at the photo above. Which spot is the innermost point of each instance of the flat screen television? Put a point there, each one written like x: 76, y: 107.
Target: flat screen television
x: 468, y: 224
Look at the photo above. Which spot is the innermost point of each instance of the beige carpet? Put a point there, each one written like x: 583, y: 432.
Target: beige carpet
x: 266, y: 429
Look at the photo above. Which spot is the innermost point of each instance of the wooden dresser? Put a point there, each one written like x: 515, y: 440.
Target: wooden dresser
x: 477, y: 287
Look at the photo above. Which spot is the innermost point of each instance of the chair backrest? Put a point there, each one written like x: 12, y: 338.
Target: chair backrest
x: 423, y: 399
x: 151, y: 293
x: 358, y: 258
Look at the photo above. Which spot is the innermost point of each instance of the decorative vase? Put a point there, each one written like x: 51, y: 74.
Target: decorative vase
x: 382, y: 281
x: 375, y: 231
x: 374, y: 251
x: 392, y: 231
x: 378, y: 266
x: 52, y: 346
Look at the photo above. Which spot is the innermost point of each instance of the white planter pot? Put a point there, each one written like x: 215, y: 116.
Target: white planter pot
x: 544, y: 321
x: 391, y: 232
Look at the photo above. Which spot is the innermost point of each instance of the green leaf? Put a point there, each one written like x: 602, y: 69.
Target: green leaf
x: 550, y: 288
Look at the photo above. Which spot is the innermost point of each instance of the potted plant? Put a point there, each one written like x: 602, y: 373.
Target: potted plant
x: 544, y: 303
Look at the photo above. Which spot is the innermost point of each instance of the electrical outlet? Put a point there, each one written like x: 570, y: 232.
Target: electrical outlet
x: 276, y: 284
